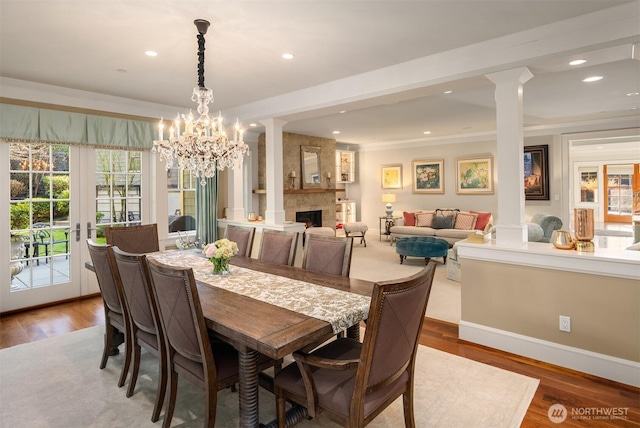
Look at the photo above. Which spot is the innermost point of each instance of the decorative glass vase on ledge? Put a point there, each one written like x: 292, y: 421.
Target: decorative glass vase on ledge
x: 219, y: 254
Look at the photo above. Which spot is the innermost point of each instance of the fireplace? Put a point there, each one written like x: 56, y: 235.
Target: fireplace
x: 310, y: 218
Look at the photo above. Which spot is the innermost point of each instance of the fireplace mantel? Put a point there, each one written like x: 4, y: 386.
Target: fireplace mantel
x: 299, y: 191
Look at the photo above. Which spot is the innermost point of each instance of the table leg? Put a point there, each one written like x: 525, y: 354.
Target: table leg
x: 353, y: 332
x: 248, y: 387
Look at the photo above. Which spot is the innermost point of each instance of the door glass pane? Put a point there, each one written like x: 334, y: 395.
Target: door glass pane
x: 619, y: 193
x: 39, y: 213
x: 118, y: 199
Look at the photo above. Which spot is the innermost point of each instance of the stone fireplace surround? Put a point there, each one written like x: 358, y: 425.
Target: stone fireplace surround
x: 300, y: 199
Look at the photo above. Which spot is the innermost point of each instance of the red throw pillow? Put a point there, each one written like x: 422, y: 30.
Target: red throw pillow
x: 482, y: 220
x: 409, y: 218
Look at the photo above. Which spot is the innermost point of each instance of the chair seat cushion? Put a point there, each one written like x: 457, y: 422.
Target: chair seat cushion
x: 355, y: 227
x: 335, y: 387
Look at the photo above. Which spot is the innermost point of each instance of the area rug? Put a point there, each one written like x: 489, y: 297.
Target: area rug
x: 56, y: 382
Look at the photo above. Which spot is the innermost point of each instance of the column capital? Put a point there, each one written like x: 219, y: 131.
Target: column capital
x: 519, y: 74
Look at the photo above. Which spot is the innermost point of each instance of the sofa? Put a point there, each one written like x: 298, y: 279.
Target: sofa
x: 450, y: 224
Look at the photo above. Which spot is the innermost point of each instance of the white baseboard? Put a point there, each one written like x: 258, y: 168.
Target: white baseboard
x: 606, y: 366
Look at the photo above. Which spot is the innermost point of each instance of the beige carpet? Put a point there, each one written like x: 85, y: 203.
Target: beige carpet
x: 378, y: 261
x: 57, y: 383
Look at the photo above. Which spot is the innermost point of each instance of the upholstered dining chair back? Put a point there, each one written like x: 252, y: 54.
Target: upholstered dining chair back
x: 134, y: 239
x: 328, y: 254
x: 354, y: 382
x: 243, y: 236
x: 146, y: 328
x: 116, y: 315
x: 278, y: 247
x: 188, y: 344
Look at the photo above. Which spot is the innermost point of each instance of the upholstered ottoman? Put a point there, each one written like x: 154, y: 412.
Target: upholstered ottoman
x: 356, y: 229
x: 422, y: 246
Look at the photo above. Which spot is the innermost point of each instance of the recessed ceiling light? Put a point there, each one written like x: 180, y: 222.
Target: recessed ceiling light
x: 592, y: 79
x: 336, y: 132
x: 151, y: 53
x: 633, y: 94
x: 253, y: 124
x: 448, y: 92
x: 288, y: 55
x: 578, y: 62
x: 342, y: 111
x: 600, y: 147
x: 427, y: 132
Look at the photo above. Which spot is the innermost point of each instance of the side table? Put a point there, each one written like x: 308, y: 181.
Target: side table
x: 385, y: 225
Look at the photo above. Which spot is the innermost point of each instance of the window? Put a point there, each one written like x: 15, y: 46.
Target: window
x: 181, y: 186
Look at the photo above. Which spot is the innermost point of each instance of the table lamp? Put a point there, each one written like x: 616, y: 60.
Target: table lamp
x: 389, y: 198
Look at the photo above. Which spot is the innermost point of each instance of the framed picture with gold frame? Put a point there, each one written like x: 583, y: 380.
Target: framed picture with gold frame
x: 391, y: 176
x: 474, y: 176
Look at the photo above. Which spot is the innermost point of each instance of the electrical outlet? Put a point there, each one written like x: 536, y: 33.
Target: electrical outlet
x: 565, y: 323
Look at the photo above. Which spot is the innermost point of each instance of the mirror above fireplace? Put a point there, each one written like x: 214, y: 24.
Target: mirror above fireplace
x: 310, y: 162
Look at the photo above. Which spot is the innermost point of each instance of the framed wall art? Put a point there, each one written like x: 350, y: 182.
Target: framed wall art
x: 474, y: 176
x: 536, y: 173
x: 391, y: 176
x: 428, y: 176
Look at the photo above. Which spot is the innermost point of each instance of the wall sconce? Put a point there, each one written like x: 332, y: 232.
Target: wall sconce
x: 329, y: 179
x: 292, y: 176
x: 388, y: 198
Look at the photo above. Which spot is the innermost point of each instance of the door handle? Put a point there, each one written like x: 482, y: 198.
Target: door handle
x: 77, y: 232
x: 88, y: 230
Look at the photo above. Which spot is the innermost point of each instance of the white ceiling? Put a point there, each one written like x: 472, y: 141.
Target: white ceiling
x: 98, y: 46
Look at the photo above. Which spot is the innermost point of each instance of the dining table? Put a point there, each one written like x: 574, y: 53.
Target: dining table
x: 274, y: 310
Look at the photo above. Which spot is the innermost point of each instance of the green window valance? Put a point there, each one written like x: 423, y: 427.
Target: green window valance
x: 39, y: 125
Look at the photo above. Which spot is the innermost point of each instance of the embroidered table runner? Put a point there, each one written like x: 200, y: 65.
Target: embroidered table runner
x: 339, y: 308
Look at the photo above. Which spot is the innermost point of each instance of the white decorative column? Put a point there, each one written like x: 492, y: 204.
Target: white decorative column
x: 274, y: 214
x: 511, y: 229
x: 235, y: 197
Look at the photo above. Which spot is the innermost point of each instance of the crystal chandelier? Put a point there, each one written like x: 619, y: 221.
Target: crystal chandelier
x: 201, y: 145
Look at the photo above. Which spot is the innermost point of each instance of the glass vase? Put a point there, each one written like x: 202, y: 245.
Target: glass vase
x: 220, y: 266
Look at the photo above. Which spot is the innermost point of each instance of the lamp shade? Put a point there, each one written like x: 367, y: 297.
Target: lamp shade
x: 388, y: 197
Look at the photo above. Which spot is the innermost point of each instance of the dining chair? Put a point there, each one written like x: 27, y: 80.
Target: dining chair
x: 193, y: 352
x: 116, y: 315
x: 278, y: 246
x: 146, y: 329
x: 134, y: 239
x: 328, y: 254
x: 243, y: 236
x: 353, y: 382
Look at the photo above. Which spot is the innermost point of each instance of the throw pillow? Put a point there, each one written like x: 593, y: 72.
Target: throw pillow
x: 482, y: 220
x: 465, y: 221
x: 409, y: 218
x: 442, y: 222
x: 424, y: 219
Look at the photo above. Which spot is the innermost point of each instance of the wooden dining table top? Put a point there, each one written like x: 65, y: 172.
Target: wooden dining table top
x: 269, y: 329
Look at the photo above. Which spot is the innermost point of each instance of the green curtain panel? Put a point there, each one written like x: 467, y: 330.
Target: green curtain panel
x: 30, y: 124
x: 206, y: 209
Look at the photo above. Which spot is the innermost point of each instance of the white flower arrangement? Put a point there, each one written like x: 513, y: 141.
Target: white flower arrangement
x: 219, y: 253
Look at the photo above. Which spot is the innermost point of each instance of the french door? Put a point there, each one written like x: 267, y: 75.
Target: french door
x: 58, y: 196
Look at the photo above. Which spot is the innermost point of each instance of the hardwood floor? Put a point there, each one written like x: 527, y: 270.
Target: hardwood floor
x: 577, y: 392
